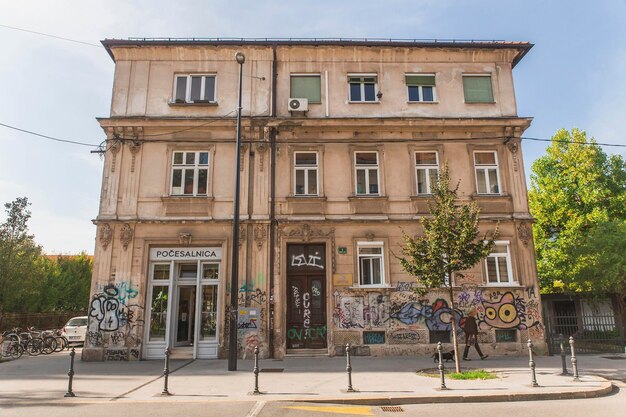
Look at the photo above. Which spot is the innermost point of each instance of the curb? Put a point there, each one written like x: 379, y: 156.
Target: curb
x: 606, y: 389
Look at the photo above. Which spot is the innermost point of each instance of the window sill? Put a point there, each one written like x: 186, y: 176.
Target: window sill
x: 371, y: 287
x: 480, y: 102
x: 422, y: 102
x: 185, y: 197
x: 185, y: 104
x: 304, y: 197
x: 363, y: 102
x: 512, y: 284
x: 357, y: 197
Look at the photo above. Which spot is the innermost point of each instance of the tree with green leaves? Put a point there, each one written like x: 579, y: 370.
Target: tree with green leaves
x: 578, y: 200
x: 18, y: 255
x: 449, y: 244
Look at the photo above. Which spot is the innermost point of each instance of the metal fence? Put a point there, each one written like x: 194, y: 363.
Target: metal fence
x: 594, y: 333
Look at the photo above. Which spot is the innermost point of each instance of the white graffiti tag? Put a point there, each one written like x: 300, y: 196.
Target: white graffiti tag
x: 306, y: 303
x: 301, y: 260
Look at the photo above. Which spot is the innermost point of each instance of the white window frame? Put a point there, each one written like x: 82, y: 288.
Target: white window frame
x: 196, y: 167
x: 367, y: 168
x: 306, y: 168
x: 202, y: 87
x: 419, y: 89
x: 485, y: 170
x: 496, y: 256
x: 375, y: 76
x: 381, y: 256
x: 426, y: 168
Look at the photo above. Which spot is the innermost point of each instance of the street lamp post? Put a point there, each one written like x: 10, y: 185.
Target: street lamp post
x: 232, y: 339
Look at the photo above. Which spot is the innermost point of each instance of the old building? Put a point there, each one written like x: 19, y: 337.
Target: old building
x: 341, y: 140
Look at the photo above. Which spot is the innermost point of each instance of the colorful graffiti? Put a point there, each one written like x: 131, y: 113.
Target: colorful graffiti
x: 436, y: 317
x: 508, y: 311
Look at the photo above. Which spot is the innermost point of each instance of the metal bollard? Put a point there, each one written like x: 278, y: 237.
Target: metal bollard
x: 441, y: 367
x: 574, y: 360
x: 166, y: 372
x: 531, y: 363
x: 563, y: 365
x: 256, y: 371
x: 349, y: 368
x: 70, y: 373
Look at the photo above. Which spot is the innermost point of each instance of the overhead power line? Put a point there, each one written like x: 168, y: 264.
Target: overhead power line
x: 287, y: 141
x: 73, y: 142
x: 51, y: 36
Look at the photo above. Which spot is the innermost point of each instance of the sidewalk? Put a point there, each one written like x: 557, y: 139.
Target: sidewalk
x: 379, y: 381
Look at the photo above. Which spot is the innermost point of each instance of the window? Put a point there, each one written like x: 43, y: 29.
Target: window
x: 363, y: 88
x: 477, y: 89
x: 194, y: 88
x: 190, y: 173
x: 503, y: 336
x: 366, y: 166
x: 371, y: 268
x: 436, y: 336
x: 305, y: 167
x: 426, y: 169
x: 498, y: 264
x: 487, y: 176
x: 421, y: 87
x: 306, y: 86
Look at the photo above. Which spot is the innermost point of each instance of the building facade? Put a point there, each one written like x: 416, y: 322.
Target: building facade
x: 340, y: 143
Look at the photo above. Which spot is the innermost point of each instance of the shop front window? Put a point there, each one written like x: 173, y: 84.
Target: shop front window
x: 208, y: 329
x: 158, y: 318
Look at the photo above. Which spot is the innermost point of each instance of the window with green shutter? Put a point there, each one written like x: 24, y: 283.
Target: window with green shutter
x: 306, y: 86
x: 421, y: 87
x: 477, y: 89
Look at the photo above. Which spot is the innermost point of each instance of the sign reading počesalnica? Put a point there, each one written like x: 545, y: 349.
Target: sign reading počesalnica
x: 181, y: 254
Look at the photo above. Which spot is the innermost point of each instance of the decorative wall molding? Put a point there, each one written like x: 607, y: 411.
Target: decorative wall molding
x: 369, y: 236
x: 106, y: 235
x: 185, y: 238
x: 242, y: 234
x: 260, y: 234
x: 261, y: 148
x: 134, y: 147
x: 513, y: 147
x: 126, y: 235
x: 524, y: 233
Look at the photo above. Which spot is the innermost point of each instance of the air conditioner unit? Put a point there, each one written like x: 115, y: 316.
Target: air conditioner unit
x: 298, y: 104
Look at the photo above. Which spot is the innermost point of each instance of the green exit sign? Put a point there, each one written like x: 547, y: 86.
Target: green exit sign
x: 342, y: 250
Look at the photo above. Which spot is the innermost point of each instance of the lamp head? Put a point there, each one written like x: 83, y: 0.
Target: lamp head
x: 240, y: 58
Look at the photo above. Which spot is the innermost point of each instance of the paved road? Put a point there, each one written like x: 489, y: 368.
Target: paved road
x: 611, y: 406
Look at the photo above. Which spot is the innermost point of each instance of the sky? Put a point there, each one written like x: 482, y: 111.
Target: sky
x: 572, y: 77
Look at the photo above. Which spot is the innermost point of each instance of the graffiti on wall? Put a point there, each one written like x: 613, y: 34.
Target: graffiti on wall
x: 113, y: 319
x: 436, y: 316
x: 358, y: 312
x: 508, y: 311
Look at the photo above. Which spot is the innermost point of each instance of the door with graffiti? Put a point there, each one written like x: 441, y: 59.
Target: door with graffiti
x: 306, y: 296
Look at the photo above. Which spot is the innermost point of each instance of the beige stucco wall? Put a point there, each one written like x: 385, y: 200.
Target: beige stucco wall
x: 137, y: 213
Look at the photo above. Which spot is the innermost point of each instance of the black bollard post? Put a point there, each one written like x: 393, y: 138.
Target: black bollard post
x: 574, y: 360
x: 256, y: 371
x: 166, y: 372
x: 531, y: 363
x: 441, y: 367
x: 349, y: 368
x: 563, y: 365
x: 70, y: 373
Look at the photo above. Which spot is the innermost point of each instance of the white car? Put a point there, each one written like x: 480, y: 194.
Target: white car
x: 76, y: 329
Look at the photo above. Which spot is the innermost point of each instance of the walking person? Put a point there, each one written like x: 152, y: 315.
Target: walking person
x: 470, y: 328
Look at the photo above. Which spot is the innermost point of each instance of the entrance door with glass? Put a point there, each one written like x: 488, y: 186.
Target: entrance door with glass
x: 184, y: 303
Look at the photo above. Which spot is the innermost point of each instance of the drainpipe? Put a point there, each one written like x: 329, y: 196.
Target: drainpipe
x: 272, y: 240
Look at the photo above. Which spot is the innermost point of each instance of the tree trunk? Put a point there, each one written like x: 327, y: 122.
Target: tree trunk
x: 455, y: 340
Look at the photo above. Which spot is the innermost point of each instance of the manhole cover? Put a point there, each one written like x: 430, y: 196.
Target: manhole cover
x: 392, y: 408
x: 272, y: 369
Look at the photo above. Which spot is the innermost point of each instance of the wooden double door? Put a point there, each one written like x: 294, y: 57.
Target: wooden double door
x: 306, y: 296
